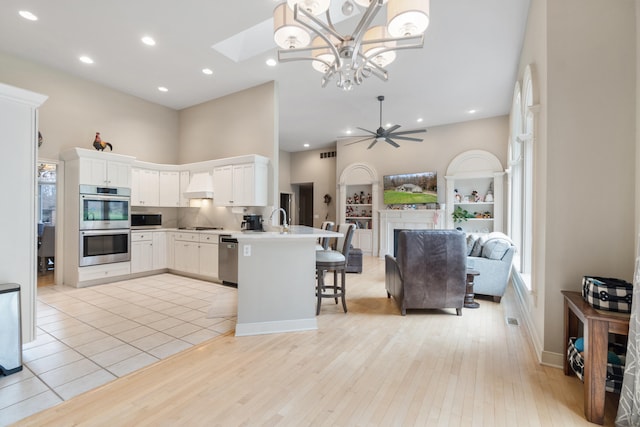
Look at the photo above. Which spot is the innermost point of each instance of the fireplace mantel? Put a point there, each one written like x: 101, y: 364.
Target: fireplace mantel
x: 418, y: 219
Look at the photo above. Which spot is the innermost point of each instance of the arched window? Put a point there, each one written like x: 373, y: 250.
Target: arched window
x: 521, y: 158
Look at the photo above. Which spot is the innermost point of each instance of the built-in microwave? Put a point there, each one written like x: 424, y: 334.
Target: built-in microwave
x: 103, y: 208
x: 104, y: 246
x: 146, y: 220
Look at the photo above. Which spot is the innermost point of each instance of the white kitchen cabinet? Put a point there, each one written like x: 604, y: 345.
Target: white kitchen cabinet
x: 186, y: 252
x: 240, y: 185
x: 141, y: 251
x: 184, y: 183
x: 160, y: 254
x: 196, y: 253
x: 208, y: 256
x: 104, y: 172
x: 169, y: 189
x: 148, y: 251
x: 145, y: 187
x: 223, y: 186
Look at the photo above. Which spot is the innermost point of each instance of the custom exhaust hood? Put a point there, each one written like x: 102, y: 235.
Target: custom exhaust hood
x: 200, y: 186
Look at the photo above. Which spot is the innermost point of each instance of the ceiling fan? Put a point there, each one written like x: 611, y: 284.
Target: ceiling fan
x: 387, y: 135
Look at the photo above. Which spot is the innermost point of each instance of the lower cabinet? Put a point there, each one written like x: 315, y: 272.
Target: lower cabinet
x: 196, y: 253
x: 208, y: 256
x: 148, y: 251
x: 103, y: 271
x: 187, y: 252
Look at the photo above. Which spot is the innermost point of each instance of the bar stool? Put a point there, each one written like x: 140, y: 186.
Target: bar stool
x: 323, y: 243
x: 336, y: 261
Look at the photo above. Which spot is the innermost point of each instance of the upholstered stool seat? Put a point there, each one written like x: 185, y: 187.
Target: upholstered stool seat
x: 336, y: 261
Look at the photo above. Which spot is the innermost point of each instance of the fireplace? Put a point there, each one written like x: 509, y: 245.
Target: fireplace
x: 394, y: 221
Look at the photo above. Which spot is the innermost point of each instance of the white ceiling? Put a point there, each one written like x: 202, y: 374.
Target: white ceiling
x: 469, y: 60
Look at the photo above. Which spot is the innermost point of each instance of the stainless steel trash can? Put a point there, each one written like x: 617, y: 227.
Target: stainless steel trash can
x: 10, y: 329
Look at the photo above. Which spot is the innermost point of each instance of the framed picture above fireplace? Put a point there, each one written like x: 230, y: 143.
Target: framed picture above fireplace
x: 410, y: 188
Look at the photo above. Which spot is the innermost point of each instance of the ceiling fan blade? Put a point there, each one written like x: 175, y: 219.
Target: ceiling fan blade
x: 392, y: 142
x: 405, y: 138
x: 360, y: 140
x: 372, y: 144
x: 391, y: 129
x: 406, y: 132
x: 369, y: 131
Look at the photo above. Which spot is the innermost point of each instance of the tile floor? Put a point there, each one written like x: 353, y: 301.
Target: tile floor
x: 90, y: 336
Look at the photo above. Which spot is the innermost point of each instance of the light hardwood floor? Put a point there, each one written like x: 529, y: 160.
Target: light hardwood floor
x: 368, y: 367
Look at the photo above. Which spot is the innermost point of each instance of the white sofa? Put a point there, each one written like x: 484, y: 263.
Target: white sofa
x: 492, y: 256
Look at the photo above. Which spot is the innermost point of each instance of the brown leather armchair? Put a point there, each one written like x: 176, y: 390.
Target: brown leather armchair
x: 429, y: 270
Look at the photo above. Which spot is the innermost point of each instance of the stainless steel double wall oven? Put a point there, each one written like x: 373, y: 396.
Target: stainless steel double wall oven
x: 105, y: 225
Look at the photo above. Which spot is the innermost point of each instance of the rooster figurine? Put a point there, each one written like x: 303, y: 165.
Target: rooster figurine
x: 100, y: 145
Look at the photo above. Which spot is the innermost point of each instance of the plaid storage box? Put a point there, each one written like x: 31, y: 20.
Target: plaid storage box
x: 615, y: 373
x: 606, y: 293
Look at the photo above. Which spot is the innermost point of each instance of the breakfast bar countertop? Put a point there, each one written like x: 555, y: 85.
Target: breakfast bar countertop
x: 295, y: 232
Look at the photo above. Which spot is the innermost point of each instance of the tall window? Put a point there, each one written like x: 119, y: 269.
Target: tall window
x: 521, y: 160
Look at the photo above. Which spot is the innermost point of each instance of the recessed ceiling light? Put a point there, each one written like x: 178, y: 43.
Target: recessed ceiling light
x: 306, y: 145
x: 86, y: 59
x: 271, y: 62
x: 388, y: 125
x: 348, y: 132
x: 472, y: 111
x: 149, y: 41
x: 28, y: 15
x: 163, y: 89
x: 207, y: 71
x: 419, y: 120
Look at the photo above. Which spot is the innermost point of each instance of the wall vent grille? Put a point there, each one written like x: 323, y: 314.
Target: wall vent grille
x: 327, y: 155
x: 512, y: 321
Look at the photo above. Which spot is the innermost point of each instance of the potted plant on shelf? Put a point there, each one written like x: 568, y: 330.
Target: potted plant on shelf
x: 460, y: 214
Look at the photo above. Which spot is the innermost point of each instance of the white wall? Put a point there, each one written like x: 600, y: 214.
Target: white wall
x: 77, y: 109
x: 584, y: 53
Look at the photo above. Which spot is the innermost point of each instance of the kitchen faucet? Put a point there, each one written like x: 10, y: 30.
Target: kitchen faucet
x: 285, y: 226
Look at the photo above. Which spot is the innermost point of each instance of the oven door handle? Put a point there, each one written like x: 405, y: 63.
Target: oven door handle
x: 103, y: 232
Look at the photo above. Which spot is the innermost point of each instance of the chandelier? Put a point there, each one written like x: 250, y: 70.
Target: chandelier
x: 348, y: 58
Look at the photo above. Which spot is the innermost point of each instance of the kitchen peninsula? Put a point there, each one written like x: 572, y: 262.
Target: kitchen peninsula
x: 276, y: 280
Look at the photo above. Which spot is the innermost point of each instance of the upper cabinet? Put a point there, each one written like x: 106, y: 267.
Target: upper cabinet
x: 145, y: 187
x: 169, y: 189
x: 238, y: 181
x: 99, y: 168
x: 110, y: 173
x: 475, y: 188
x: 242, y: 184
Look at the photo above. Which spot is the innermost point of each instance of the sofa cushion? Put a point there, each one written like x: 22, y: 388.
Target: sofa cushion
x: 471, y: 241
x: 477, y: 247
x: 495, y: 248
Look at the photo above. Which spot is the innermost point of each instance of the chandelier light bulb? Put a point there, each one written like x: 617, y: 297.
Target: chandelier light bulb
x: 347, y: 8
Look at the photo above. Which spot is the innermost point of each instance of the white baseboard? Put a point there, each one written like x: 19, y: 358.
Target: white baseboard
x: 547, y: 358
x: 261, y: 328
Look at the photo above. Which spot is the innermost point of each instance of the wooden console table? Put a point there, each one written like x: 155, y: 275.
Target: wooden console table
x: 596, y: 328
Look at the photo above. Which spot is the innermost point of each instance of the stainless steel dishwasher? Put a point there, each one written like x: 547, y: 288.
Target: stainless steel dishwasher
x: 228, y: 260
